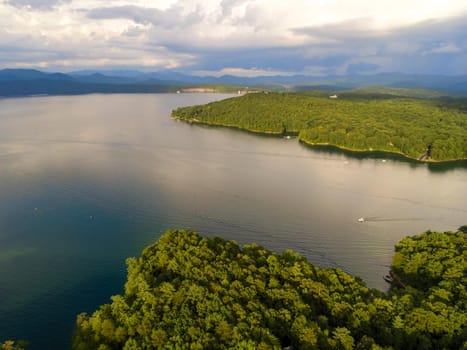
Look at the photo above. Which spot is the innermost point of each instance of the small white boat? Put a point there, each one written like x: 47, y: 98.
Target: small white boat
x: 361, y: 220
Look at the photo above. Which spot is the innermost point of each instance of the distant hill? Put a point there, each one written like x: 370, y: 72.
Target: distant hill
x: 30, y: 74
x: 26, y: 82
x: 22, y: 82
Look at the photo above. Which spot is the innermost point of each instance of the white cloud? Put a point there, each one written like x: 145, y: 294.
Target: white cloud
x: 36, y: 4
x: 202, y: 34
x: 445, y: 48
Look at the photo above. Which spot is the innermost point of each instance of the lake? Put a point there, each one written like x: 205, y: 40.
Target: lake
x: 86, y: 181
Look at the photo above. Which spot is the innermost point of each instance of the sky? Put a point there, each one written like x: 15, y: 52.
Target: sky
x: 238, y: 37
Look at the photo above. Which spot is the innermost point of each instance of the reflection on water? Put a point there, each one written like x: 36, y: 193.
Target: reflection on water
x: 86, y: 181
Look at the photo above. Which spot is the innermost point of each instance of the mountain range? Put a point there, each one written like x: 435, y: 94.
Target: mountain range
x: 26, y: 82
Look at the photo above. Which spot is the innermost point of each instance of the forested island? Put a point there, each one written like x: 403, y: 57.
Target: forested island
x: 193, y: 292
x: 425, y: 129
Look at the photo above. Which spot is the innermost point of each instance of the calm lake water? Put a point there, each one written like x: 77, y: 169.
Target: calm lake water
x: 86, y: 181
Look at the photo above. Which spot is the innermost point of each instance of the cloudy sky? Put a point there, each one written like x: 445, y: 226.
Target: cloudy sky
x: 242, y: 37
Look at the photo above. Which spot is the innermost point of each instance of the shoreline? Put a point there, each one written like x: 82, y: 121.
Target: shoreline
x: 394, y: 153
x: 231, y: 126
x: 312, y: 144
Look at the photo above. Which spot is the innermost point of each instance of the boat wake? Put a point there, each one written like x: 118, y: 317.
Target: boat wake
x: 380, y: 219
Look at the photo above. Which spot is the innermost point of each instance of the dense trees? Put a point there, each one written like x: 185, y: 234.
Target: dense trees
x: 399, y: 125
x: 190, y: 292
x: 433, y: 305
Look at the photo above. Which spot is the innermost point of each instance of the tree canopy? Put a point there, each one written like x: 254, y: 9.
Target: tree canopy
x: 399, y: 125
x: 193, y: 292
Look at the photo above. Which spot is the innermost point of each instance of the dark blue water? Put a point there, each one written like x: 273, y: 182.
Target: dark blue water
x: 86, y: 181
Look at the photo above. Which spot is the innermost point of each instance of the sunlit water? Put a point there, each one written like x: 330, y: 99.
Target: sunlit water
x: 86, y: 181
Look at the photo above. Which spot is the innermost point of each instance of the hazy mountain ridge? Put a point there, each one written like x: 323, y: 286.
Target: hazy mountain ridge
x: 21, y: 82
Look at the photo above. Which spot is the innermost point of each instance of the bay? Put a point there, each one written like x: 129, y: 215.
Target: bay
x: 87, y: 181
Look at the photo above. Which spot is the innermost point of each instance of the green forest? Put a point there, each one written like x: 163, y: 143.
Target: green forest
x: 405, y: 126
x: 192, y: 292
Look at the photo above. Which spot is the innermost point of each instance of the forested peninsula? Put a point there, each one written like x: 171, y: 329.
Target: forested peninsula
x: 193, y: 292
x: 405, y: 126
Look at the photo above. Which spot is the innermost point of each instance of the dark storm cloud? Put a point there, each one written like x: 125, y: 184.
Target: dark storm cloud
x: 428, y: 37
x: 290, y: 59
x: 438, y: 47
x: 432, y: 46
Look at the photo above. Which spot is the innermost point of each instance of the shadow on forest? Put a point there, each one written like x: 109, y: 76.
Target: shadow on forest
x: 434, y: 167
x: 439, y: 167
